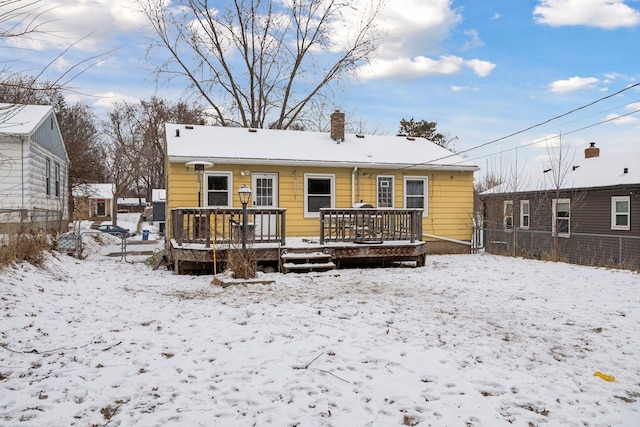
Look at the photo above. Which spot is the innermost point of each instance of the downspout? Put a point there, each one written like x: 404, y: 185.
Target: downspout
x: 22, y: 173
x: 353, y: 185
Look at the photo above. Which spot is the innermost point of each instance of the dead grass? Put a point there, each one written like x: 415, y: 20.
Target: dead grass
x: 19, y: 244
x: 243, y: 264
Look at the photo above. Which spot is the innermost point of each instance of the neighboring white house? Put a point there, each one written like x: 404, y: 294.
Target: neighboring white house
x: 33, y: 165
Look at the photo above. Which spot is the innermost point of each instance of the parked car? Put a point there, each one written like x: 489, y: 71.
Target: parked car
x: 116, y: 230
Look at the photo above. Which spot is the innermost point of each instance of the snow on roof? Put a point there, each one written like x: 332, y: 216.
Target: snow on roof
x: 21, y: 119
x: 158, y: 195
x: 94, y: 191
x: 607, y: 170
x: 132, y: 201
x: 229, y: 145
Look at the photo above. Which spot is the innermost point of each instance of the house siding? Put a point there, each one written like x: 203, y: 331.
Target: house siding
x: 450, y: 194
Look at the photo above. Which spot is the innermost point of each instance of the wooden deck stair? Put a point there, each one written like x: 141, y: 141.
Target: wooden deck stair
x: 301, y: 260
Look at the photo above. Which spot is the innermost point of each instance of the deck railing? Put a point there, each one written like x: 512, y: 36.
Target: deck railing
x: 224, y: 225
x: 370, y: 225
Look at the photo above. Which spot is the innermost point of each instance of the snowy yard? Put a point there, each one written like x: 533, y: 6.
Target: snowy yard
x: 467, y: 340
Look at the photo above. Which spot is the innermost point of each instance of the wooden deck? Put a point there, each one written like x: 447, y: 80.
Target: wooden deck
x: 203, y: 238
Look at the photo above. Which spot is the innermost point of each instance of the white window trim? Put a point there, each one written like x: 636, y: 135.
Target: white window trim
x: 522, y: 215
x: 505, y: 204
x: 328, y: 176
x: 393, y: 187
x: 615, y: 199
x: 426, y: 192
x: 555, y: 219
x: 205, y: 189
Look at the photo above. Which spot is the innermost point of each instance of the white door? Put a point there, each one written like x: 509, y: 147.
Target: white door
x: 265, y: 195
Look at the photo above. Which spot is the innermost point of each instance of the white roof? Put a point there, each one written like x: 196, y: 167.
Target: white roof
x: 603, y: 171
x: 158, y: 195
x: 22, y: 119
x: 228, y: 145
x: 94, y: 191
x: 132, y: 201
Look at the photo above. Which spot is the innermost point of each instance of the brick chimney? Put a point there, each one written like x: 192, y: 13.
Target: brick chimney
x: 337, y: 126
x: 591, y: 151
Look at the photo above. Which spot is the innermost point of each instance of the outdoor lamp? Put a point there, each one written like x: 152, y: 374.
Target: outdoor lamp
x: 244, y: 192
x: 199, y: 167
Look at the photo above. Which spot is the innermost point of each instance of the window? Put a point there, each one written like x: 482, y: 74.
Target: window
x: 218, y: 190
x: 57, y: 178
x: 415, y: 193
x: 507, y: 217
x: 319, y: 192
x: 525, y: 215
x: 385, y: 192
x: 561, y: 217
x: 47, y: 176
x: 620, y: 213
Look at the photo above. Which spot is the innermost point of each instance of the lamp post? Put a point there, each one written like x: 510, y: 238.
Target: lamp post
x: 244, y: 192
x: 199, y: 170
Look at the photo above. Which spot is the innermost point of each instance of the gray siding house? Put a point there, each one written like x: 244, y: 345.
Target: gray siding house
x: 591, y: 217
x: 33, y: 167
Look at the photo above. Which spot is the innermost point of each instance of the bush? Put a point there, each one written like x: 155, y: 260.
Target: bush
x: 21, y: 243
x: 243, y: 264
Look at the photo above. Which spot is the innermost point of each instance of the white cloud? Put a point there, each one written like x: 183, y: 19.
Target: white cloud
x: 475, y: 41
x: 88, y: 24
x: 463, y: 88
x: 607, y: 14
x: 573, y: 84
x: 481, y: 68
x: 618, y: 120
x: 496, y: 16
x: 422, y: 66
x: 108, y: 99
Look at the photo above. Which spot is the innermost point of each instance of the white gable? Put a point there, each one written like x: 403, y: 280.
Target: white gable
x: 282, y: 147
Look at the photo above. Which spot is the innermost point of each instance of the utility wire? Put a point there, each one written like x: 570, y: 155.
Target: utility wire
x: 563, y: 134
x: 529, y: 128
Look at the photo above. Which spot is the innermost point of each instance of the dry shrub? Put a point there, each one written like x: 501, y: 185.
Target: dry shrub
x: 20, y: 243
x: 243, y: 264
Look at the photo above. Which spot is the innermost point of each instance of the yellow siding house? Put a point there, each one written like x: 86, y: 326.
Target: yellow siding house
x: 304, y: 171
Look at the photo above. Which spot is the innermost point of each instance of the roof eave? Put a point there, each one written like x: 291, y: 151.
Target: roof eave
x: 323, y: 163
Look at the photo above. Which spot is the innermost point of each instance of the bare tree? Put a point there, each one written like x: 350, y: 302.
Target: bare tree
x: 260, y: 63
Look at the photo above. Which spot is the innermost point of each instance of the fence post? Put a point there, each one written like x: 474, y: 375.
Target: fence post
x: 620, y: 252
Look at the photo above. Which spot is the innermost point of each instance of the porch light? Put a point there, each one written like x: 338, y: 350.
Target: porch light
x: 244, y: 192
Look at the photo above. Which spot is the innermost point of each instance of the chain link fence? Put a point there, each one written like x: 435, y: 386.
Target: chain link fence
x: 49, y: 220
x: 603, y: 250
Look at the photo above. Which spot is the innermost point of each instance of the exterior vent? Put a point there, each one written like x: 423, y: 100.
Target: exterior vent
x: 626, y: 170
x: 188, y: 127
x: 177, y: 133
x: 253, y: 130
x: 411, y: 138
x: 359, y: 135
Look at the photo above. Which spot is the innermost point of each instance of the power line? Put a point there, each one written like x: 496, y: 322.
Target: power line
x: 563, y: 134
x: 530, y: 127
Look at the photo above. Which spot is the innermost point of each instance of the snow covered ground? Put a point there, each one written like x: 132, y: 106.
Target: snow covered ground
x: 467, y: 340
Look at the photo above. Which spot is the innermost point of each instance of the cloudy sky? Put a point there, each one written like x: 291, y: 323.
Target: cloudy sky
x: 483, y: 70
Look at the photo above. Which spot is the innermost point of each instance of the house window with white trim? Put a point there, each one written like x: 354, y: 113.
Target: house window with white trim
x: 561, y: 217
x: 620, y: 213
x: 385, y: 192
x: 218, y: 189
x: 507, y: 215
x: 57, y: 179
x: 415, y: 192
x: 319, y: 192
x: 47, y: 176
x: 525, y: 214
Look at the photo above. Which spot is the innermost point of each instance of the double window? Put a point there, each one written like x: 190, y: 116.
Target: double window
x: 319, y: 192
x: 385, y: 192
x: 415, y: 193
x: 218, y: 189
x: 620, y: 213
x: 561, y: 217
